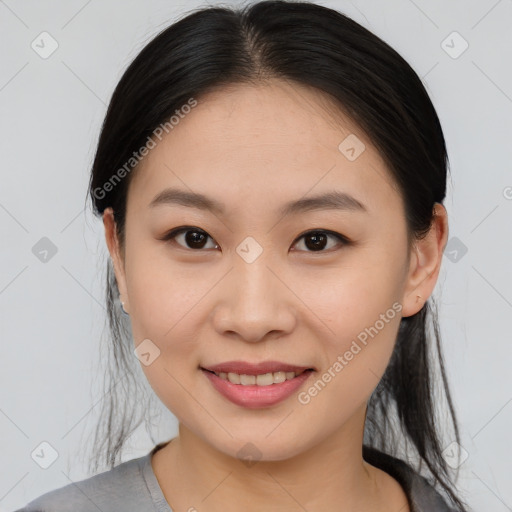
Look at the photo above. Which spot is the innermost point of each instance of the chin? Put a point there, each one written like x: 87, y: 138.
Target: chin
x: 258, y: 448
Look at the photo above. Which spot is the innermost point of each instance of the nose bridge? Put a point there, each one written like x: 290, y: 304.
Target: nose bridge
x: 255, y: 283
x: 251, y: 263
x: 254, y: 300
x: 254, y: 280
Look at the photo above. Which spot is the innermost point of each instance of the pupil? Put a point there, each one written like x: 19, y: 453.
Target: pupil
x: 196, y: 239
x: 318, y: 241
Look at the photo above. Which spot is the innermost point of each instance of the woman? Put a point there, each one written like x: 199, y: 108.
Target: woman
x: 288, y: 335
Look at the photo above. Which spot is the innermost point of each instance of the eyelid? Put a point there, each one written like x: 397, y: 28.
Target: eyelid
x: 173, y: 233
x: 335, y: 234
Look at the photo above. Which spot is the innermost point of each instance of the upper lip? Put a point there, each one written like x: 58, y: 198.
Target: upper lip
x: 246, y: 368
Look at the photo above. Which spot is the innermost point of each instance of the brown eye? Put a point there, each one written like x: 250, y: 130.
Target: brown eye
x: 318, y: 240
x: 189, y: 238
x: 193, y: 238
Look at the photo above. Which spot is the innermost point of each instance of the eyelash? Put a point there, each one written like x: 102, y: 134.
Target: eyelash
x: 171, y: 235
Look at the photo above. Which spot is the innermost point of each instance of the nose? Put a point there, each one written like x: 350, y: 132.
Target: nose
x: 254, y: 302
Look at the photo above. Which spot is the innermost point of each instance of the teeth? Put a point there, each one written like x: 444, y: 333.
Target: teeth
x: 260, y: 380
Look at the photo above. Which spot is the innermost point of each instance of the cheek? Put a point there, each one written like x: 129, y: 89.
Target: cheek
x: 354, y: 358
x: 349, y: 298
x: 162, y: 292
x: 356, y: 315
x: 165, y: 303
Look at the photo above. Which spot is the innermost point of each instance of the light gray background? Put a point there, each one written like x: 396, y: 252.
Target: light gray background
x: 52, y: 313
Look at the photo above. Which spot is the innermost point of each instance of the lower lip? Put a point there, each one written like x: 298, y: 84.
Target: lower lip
x: 254, y: 396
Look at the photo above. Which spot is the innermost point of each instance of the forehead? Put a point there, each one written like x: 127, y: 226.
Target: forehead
x: 264, y: 145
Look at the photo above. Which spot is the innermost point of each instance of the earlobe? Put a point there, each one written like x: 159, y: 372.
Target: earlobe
x: 115, y: 254
x: 426, y: 259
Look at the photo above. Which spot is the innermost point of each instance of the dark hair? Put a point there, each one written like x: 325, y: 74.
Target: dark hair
x: 313, y: 46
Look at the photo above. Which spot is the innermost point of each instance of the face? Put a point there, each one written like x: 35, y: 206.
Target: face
x: 320, y: 287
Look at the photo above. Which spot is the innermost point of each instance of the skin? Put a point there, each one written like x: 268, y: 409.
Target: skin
x: 255, y: 147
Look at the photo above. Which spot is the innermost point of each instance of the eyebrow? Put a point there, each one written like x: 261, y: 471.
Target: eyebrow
x: 333, y: 200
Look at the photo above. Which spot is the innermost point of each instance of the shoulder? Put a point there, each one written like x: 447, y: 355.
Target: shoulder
x: 121, y: 488
x: 422, y: 495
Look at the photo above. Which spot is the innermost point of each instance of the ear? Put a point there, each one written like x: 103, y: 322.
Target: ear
x: 425, y: 263
x: 115, y: 254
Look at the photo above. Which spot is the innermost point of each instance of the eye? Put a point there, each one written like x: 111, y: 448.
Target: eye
x: 191, y: 237
x: 195, y: 238
x: 317, y: 240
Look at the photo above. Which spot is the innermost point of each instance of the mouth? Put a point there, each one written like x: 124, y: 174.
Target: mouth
x: 261, y: 379
x: 245, y: 367
x: 261, y: 374
x: 258, y: 390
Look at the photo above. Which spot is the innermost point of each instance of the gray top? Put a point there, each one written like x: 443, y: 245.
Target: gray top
x: 132, y: 487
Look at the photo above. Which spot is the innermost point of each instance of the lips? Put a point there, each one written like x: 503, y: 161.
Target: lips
x: 256, y: 396
x: 246, y: 368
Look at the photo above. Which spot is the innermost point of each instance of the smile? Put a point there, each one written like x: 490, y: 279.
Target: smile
x: 264, y: 379
x: 257, y: 391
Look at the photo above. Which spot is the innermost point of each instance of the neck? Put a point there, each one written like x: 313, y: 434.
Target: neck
x: 331, y: 475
